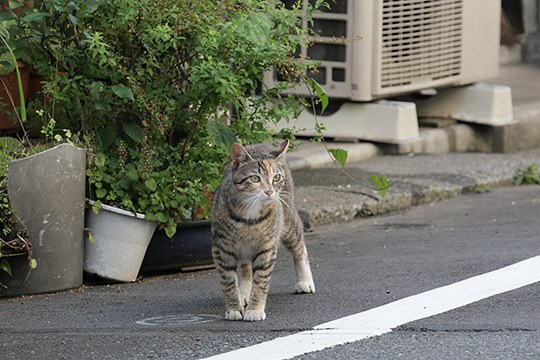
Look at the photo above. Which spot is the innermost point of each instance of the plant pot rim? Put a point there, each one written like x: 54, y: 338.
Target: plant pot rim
x: 118, y: 210
x: 48, y: 150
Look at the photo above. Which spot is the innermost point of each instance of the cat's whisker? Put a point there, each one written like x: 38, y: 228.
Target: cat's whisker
x: 283, y: 201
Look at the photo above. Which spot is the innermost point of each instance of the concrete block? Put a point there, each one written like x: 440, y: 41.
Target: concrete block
x: 479, y: 103
x: 381, y: 121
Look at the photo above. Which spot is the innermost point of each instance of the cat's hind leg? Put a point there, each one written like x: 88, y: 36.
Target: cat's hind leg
x: 293, y: 239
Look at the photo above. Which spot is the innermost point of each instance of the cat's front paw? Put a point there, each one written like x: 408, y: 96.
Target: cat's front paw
x: 305, y: 287
x: 244, y: 300
x: 233, y: 315
x: 254, y: 315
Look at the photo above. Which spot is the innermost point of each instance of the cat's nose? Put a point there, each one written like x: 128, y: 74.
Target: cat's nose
x: 268, y: 192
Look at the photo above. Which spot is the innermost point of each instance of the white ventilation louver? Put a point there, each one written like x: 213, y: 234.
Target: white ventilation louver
x: 420, y: 41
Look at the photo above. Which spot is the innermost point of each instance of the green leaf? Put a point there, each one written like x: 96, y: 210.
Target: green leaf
x: 91, y: 237
x: 381, y: 183
x: 123, y: 92
x: 32, y: 263
x: 134, y: 132
x: 160, y: 217
x: 106, y: 136
x: 97, y: 206
x: 73, y: 19
x: 320, y: 93
x: 5, y: 16
x: 14, y: 4
x: 170, y: 229
x: 340, y: 155
x: 4, y: 265
x: 257, y: 27
x: 132, y: 173
x: 35, y: 16
x: 151, y: 184
x: 220, y: 133
x: 95, y: 88
x: 101, y: 193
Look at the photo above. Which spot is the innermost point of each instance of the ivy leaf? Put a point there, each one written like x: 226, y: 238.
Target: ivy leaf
x: 123, y: 92
x: 221, y: 133
x: 381, y: 183
x: 340, y: 155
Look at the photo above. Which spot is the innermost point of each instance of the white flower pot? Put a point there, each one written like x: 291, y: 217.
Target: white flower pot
x: 122, y: 238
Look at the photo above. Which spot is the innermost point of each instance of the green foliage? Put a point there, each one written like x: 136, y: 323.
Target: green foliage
x: 527, y: 176
x: 323, y: 96
x: 340, y: 156
x: 14, y: 240
x: 161, y: 89
x: 381, y: 183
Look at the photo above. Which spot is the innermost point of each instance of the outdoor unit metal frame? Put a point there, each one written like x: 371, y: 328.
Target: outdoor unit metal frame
x: 372, y: 49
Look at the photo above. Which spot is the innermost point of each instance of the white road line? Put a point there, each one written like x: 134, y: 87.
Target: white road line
x: 383, y: 319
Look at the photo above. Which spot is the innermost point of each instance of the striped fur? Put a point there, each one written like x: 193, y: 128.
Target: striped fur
x: 253, y: 211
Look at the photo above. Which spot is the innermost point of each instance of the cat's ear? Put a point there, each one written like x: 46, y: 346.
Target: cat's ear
x: 282, y: 151
x: 238, y: 155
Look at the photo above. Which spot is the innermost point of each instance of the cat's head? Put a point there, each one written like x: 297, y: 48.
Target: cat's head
x: 258, y: 172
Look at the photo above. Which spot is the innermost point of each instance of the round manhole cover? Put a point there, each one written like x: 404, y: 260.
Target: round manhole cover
x: 179, y: 319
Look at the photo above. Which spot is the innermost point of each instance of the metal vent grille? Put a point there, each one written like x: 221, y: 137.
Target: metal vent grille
x: 421, y: 41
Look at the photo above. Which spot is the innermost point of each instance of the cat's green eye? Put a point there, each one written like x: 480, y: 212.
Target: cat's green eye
x: 255, y: 179
x: 277, y: 178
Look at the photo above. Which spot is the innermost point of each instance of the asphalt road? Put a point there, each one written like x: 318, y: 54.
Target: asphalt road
x: 357, y: 266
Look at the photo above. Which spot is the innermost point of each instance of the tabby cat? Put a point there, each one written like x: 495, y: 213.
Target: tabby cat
x: 253, y: 210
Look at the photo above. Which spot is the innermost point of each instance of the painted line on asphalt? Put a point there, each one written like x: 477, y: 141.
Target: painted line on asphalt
x: 383, y: 319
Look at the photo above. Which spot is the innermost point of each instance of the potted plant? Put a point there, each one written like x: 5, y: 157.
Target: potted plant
x: 41, y: 217
x: 162, y: 89
x: 30, y: 181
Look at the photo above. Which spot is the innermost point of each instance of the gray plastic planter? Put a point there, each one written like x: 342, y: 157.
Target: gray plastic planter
x: 46, y: 191
x: 121, y: 242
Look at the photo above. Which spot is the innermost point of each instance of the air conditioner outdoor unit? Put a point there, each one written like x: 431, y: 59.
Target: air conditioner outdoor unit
x: 373, y: 49
x: 378, y: 49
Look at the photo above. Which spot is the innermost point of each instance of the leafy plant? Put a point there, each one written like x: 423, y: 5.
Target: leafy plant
x: 527, y: 176
x: 14, y: 239
x: 160, y: 90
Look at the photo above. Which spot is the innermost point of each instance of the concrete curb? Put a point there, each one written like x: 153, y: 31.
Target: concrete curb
x: 328, y: 204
